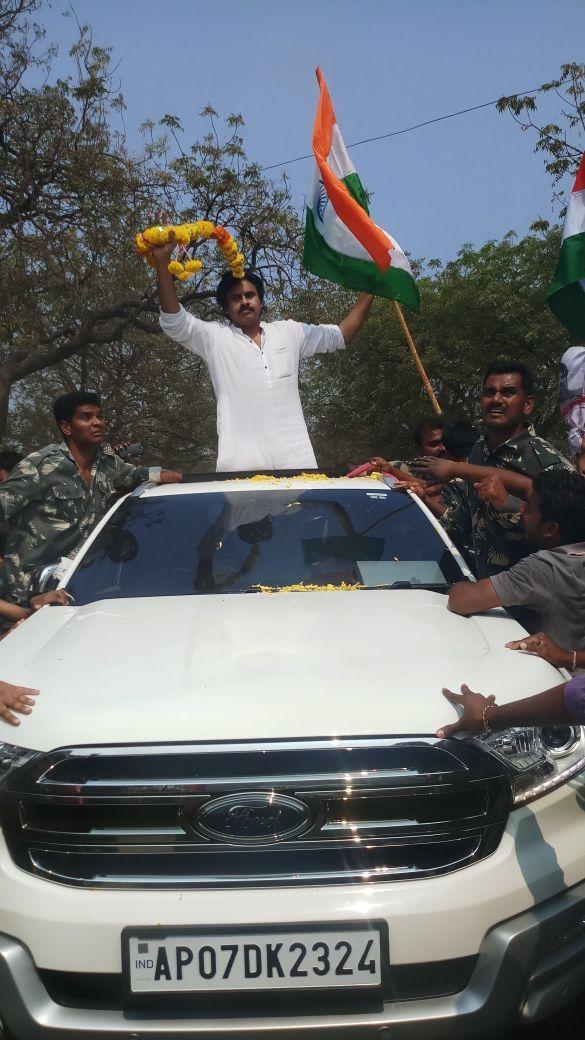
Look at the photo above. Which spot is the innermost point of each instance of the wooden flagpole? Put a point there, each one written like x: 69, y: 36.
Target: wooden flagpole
x: 417, y: 360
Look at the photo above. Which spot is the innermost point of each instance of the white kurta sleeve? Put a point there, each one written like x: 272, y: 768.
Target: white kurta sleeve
x: 319, y: 339
x: 190, y: 332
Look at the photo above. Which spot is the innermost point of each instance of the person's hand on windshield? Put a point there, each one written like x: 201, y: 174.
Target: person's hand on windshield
x: 57, y: 597
x: 474, y: 705
x: 411, y: 484
x: 15, y: 698
x: 441, y: 470
x: 430, y: 494
x: 543, y: 646
x: 492, y: 489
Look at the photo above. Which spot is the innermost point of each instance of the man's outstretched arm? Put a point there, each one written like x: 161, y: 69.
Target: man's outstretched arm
x: 355, y: 318
x: 563, y: 703
x: 169, y: 301
x: 471, y: 597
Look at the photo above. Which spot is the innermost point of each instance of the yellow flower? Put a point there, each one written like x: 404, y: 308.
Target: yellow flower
x: 154, y: 236
x: 142, y: 247
x: 182, y: 235
x: 301, y: 587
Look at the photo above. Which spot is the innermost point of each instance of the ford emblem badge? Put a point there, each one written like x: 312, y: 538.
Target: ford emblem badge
x: 253, y: 818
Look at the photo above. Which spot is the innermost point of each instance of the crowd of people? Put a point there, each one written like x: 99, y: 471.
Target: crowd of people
x: 513, y: 505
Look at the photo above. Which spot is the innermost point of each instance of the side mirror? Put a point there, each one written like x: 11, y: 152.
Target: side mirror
x: 46, y: 579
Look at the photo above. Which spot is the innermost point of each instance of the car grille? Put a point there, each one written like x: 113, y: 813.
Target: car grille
x: 278, y: 813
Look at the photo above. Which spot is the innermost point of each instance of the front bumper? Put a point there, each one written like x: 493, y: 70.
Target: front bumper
x: 530, y: 965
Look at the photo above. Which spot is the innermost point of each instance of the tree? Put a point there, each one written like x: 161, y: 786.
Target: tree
x: 487, y: 303
x: 71, y: 199
x: 68, y: 193
x: 562, y: 143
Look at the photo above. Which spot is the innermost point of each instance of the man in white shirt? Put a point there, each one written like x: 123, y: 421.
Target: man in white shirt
x: 254, y: 368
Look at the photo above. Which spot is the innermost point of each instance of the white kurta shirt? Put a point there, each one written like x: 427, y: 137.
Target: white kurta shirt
x: 260, y: 422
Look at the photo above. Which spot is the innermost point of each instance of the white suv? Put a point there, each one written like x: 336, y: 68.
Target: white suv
x: 228, y: 814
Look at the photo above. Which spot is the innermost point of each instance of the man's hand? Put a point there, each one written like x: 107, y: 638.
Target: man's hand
x: 411, y: 484
x: 161, y: 254
x: 442, y: 470
x: 491, y: 489
x: 58, y: 597
x: 170, y: 476
x: 543, y: 646
x: 17, y: 698
x: 474, y: 705
x: 169, y: 301
x: 430, y: 494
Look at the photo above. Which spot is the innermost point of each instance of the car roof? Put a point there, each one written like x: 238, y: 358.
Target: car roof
x: 261, y: 482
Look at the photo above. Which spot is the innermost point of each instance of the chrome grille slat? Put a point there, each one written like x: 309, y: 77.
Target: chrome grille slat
x: 372, y: 809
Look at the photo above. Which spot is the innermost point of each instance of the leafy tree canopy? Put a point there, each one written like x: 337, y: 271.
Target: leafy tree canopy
x: 78, y: 309
x: 562, y: 141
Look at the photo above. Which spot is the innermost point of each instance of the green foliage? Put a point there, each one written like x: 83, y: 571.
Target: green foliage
x: 488, y: 303
x: 79, y: 309
x: 561, y: 142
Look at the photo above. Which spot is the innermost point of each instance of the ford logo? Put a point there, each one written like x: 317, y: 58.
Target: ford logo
x: 254, y: 818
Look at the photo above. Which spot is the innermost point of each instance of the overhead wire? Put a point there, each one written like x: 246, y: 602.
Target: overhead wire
x: 407, y: 129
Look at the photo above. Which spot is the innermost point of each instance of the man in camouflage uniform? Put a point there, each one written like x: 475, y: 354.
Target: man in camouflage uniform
x: 486, y: 516
x: 54, y: 498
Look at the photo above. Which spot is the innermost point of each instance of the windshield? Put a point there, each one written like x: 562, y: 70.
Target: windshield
x: 238, y: 541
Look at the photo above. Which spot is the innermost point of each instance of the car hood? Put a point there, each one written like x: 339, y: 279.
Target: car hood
x: 257, y: 666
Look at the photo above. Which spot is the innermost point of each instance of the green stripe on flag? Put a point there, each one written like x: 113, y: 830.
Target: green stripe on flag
x: 566, y: 296
x: 357, y: 190
x: 360, y: 275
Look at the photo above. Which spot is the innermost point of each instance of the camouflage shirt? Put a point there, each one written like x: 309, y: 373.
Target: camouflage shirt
x: 49, y: 510
x: 497, y: 538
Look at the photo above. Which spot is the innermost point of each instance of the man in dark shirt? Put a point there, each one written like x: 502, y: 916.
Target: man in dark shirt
x: 486, y: 516
x: 551, y: 580
x: 54, y: 498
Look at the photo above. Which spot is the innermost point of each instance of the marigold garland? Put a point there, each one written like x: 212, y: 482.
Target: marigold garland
x: 301, y: 587
x: 261, y: 477
x: 186, y: 236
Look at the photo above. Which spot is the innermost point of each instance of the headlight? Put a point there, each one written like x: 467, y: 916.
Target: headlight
x: 538, y: 758
x: 11, y: 757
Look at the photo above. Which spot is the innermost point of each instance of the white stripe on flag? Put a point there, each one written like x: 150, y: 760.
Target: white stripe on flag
x: 338, y: 158
x: 575, y: 219
x: 337, y: 236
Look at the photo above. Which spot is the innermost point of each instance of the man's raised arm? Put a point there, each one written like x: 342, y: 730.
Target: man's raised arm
x: 169, y: 301
x: 355, y: 318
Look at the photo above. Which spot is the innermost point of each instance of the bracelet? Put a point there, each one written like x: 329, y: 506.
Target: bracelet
x: 484, y: 720
x: 574, y: 661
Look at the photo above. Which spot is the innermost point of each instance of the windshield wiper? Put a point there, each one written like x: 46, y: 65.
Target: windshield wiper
x: 428, y: 586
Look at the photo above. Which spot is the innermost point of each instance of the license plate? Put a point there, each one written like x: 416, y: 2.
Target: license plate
x: 192, y: 960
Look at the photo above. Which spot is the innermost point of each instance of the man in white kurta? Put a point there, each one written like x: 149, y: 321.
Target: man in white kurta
x: 254, y: 368
x: 260, y: 422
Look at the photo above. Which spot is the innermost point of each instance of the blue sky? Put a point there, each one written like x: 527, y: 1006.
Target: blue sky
x: 388, y: 63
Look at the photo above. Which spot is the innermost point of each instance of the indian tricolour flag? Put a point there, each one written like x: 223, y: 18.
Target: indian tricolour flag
x: 342, y: 243
x: 566, y: 296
